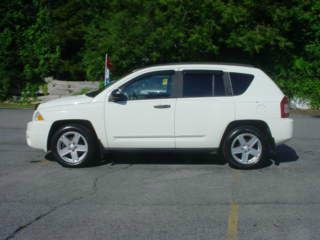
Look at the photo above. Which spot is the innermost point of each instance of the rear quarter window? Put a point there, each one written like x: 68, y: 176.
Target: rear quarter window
x: 240, y: 82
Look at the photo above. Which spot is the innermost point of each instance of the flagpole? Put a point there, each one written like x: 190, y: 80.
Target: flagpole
x: 106, y: 71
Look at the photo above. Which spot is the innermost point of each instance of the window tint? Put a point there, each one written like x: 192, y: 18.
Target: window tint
x: 149, y: 87
x: 197, y: 84
x: 218, y: 87
x: 240, y: 82
x: 203, y: 84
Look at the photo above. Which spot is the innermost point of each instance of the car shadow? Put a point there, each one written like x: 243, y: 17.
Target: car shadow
x: 284, y: 154
x: 154, y: 157
x: 164, y: 158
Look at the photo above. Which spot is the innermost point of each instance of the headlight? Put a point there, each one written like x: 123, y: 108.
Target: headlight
x: 37, y: 116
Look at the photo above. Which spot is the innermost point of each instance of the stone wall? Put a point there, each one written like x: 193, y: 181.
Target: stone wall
x: 58, y: 88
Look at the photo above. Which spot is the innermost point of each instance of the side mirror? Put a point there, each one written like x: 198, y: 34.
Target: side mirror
x: 117, y: 96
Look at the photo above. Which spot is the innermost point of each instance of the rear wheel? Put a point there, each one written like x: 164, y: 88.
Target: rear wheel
x: 74, y: 146
x: 245, y: 147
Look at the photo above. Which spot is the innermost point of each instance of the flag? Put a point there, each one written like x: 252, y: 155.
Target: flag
x: 107, y: 67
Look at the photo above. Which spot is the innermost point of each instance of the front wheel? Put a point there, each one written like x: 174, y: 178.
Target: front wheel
x: 73, y: 146
x: 245, y: 147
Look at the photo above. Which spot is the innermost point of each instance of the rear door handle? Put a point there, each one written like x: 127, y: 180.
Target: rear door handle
x: 162, y: 106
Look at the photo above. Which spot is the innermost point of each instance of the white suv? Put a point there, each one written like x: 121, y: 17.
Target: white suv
x: 236, y: 109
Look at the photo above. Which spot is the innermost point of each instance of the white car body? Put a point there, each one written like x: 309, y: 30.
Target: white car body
x: 194, y: 122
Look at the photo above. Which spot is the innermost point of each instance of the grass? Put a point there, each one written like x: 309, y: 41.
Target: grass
x: 13, y: 105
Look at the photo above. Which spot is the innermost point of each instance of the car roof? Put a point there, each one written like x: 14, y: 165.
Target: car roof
x: 196, y: 65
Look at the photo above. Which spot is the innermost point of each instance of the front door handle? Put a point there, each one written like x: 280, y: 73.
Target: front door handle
x: 162, y: 106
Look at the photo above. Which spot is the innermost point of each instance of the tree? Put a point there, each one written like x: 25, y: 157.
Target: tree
x: 68, y: 39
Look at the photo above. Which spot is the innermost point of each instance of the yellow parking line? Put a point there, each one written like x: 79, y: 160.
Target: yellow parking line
x: 232, y: 233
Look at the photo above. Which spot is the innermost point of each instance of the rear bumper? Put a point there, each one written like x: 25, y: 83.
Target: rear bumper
x: 37, y: 134
x: 281, y: 130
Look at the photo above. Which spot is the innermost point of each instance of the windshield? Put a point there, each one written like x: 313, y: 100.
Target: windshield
x: 96, y: 92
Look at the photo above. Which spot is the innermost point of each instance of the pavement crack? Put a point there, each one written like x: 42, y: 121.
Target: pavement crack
x: 39, y: 217
x: 96, y: 179
x: 94, y: 185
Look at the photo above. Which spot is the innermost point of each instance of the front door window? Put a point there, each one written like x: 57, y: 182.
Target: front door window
x: 153, y: 86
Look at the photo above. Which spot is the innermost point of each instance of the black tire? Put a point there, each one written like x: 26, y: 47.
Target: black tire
x: 90, y: 139
x: 232, y: 135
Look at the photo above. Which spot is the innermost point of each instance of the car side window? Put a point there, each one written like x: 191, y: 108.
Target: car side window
x: 151, y: 86
x: 219, y: 89
x: 240, y: 82
x: 203, y: 84
x: 197, y: 84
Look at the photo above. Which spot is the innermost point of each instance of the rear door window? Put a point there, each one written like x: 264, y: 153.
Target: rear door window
x: 240, y: 82
x: 218, y: 86
x: 203, y: 84
x: 197, y: 84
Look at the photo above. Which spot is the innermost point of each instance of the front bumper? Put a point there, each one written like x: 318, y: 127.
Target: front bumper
x: 37, y: 134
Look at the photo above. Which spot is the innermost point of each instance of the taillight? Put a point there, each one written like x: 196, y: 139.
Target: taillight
x: 284, y: 107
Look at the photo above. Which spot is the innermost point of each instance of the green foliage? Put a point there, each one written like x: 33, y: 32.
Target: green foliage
x: 37, y: 53
x: 43, y: 88
x: 28, y: 50
x: 4, y: 86
x: 101, y: 84
x: 68, y: 39
x: 29, y: 93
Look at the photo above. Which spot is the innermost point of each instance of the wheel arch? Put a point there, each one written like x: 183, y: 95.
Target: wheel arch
x: 260, y: 124
x: 57, y: 124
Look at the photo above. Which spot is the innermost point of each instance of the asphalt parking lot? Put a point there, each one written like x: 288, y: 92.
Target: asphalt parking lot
x: 159, y: 196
